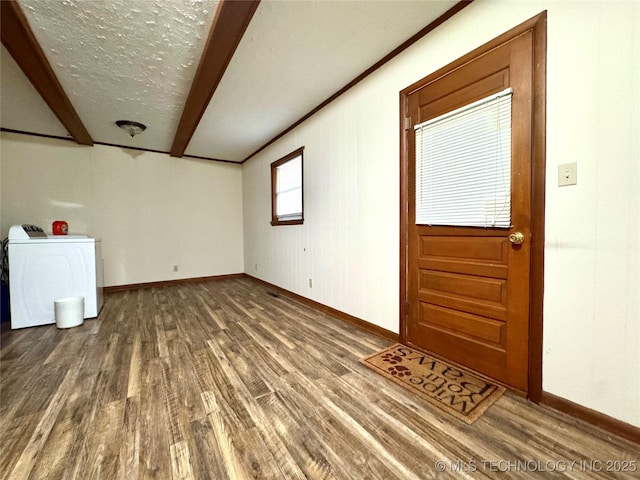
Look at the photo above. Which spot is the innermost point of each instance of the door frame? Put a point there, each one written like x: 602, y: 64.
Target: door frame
x: 538, y: 26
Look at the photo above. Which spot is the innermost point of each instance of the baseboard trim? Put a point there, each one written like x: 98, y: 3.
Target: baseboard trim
x: 593, y: 417
x: 163, y: 283
x: 345, y: 317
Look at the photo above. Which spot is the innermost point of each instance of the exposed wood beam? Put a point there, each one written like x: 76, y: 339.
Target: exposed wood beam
x: 231, y: 20
x: 19, y: 40
x: 436, y: 23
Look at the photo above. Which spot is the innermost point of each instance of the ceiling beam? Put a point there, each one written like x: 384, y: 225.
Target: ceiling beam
x: 231, y: 20
x: 19, y: 40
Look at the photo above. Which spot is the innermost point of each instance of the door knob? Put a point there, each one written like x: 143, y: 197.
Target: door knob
x: 516, y: 238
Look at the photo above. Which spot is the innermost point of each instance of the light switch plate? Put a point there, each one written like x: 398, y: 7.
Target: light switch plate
x: 567, y: 174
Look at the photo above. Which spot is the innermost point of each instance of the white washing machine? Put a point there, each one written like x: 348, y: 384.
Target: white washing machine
x: 44, y: 268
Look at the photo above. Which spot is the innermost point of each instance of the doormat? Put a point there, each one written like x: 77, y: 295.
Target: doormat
x: 458, y: 392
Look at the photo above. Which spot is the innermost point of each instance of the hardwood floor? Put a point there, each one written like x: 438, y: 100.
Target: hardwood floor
x: 220, y: 380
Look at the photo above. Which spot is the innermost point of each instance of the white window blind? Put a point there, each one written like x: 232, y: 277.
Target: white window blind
x: 289, y: 190
x: 463, y: 165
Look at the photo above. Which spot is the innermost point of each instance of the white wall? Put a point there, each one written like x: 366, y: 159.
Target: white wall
x: 151, y: 211
x: 349, y: 242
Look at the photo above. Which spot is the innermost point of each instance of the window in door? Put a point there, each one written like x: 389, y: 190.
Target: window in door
x: 286, y: 189
x: 463, y: 165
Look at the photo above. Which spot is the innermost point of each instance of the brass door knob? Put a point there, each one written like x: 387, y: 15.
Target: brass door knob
x: 516, y: 238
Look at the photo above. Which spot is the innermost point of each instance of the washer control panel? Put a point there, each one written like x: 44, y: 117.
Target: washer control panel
x: 25, y: 232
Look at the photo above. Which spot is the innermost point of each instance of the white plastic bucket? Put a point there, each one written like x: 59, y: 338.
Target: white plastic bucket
x: 69, y: 311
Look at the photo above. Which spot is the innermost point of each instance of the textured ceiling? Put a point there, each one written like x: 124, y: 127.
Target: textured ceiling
x: 124, y: 59
x: 135, y: 59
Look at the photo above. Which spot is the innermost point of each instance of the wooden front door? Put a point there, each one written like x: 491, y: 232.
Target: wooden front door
x: 467, y: 288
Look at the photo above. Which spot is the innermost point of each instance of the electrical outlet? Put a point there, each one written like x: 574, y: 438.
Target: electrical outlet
x: 175, y: 268
x: 310, y: 283
x: 256, y: 267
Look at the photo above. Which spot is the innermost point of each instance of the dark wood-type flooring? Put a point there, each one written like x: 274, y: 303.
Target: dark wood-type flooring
x: 220, y: 380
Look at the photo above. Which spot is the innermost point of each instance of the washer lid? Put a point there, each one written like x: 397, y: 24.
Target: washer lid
x: 55, y: 239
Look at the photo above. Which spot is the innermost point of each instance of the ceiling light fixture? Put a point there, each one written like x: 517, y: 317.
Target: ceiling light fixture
x: 131, y: 127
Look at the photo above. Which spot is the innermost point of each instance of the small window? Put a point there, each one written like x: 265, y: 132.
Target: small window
x: 286, y: 190
x: 463, y: 165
